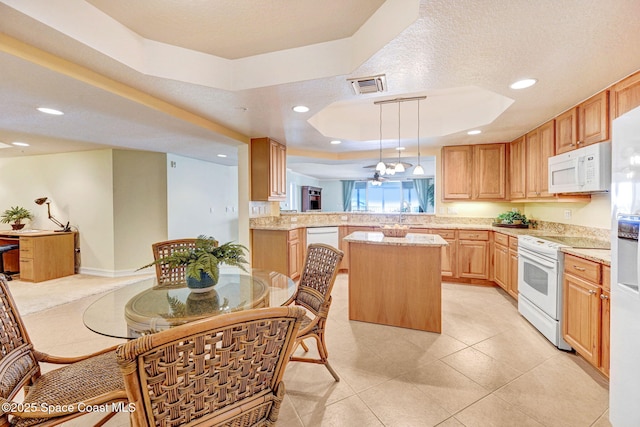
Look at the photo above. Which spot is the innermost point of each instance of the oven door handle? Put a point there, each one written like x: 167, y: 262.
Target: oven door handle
x: 531, y: 256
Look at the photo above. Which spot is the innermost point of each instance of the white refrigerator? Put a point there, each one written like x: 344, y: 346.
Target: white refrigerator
x: 624, y: 385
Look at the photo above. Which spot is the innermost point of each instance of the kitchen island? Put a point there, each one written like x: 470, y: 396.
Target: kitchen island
x: 396, y: 280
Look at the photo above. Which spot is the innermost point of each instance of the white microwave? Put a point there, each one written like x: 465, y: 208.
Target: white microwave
x: 585, y: 170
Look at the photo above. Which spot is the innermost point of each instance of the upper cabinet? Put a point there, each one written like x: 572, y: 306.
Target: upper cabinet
x: 585, y: 124
x: 625, y: 95
x: 539, y: 146
x: 268, y: 170
x: 517, y: 168
x: 474, y: 172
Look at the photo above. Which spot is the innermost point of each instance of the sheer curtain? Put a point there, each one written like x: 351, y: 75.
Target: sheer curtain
x: 347, y: 191
x: 425, y: 190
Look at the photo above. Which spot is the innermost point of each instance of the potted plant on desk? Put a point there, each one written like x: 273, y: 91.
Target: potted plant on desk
x: 15, y: 215
x: 202, y: 262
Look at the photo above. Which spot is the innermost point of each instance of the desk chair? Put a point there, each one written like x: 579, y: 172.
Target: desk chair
x: 3, y: 249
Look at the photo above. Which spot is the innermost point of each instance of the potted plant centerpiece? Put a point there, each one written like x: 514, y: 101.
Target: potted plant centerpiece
x: 15, y: 216
x: 512, y: 219
x: 202, y: 262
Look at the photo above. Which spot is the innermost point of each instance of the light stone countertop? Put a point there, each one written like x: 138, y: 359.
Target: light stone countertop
x: 602, y: 256
x: 411, y: 239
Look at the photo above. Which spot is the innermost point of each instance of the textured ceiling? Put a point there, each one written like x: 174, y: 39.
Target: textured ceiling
x: 574, y: 48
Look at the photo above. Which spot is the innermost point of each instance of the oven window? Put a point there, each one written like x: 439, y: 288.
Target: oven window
x: 536, y: 278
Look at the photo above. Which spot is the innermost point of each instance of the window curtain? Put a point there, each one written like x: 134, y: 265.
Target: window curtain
x: 425, y: 190
x: 347, y: 191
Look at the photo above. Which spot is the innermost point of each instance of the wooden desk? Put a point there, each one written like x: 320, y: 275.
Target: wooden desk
x: 43, y: 255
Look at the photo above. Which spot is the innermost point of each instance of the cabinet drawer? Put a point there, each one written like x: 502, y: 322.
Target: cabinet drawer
x: 513, y: 243
x: 294, y: 234
x: 501, y: 239
x: 445, y: 234
x: 473, y: 235
x: 582, y: 268
x: 26, y: 269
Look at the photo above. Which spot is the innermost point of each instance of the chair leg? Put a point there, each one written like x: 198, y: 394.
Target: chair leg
x: 306, y: 349
x: 324, y: 355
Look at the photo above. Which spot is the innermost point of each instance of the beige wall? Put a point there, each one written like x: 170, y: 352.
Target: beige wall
x: 105, y: 194
x: 139, y: 207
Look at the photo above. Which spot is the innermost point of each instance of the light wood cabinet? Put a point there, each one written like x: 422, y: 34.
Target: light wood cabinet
x: 517, y: 168
x: 490, y: 172
x: 512, y: 285
x: 268, y: 170
x: 344, y: 246
x: 540, y: 145
x: 47, y: 257
x: 448, y: 256
x: 457, y: 172
x: 625, y: 95
x: 473, y: 254
x: 585, y: 124
x: 474, y: 172
x: 501, y: 262
x: 279, y: 250
x: 586, y: 310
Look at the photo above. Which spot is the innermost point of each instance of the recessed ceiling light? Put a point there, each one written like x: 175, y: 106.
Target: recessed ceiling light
x: 20, y: 144
x: 50, y: 111
x: 400, y: 148
x: 336, y: 142
x: 474, y: 132
x: 222, y: 155
x: 523, y: 84
x: 300, y: 109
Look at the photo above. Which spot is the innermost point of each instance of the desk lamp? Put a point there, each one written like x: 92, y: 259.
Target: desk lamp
x: 41, y: 201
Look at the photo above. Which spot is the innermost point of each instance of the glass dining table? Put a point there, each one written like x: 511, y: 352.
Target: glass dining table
x: 148, y: 306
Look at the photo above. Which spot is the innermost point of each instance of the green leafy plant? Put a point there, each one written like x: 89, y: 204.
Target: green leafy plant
x: 512, y: 217
x: 15, y: 215
x: 206, y: 257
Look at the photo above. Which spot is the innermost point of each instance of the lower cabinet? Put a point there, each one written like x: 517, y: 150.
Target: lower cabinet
x: 501, y: 260
x: 279, y: 250
x: 473, y: 254
x: 344, y: 231
x: 586, y: 310
x: 512, y: 285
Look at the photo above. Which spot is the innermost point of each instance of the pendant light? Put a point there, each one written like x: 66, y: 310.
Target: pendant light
x: 381, y: 167
x: 419, y: 170
x: 399, y: 166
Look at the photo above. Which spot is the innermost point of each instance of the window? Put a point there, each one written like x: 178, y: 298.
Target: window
x: 392, y: 196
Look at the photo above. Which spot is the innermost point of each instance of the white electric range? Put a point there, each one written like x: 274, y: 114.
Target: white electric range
x: 540, y: 265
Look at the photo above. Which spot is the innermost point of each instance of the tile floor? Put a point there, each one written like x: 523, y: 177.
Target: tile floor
x: 489, y: 367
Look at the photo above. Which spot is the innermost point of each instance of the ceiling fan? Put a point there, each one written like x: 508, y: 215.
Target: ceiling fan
x: 377, y: 179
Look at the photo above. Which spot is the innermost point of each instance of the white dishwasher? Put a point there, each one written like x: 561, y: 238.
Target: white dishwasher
x: 326, y: 235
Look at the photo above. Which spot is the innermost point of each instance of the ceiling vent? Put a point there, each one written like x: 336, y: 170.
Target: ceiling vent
x: 373, y: 84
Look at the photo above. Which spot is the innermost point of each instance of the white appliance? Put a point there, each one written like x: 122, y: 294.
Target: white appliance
x: 326, y: 235
x: 624, y: 386
x: 540, y: 265
x: 585, y: 170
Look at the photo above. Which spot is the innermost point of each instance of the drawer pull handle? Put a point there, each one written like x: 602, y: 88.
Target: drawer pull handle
x: 592, y: 292
x: 603, y: 296
x: 579, y: 268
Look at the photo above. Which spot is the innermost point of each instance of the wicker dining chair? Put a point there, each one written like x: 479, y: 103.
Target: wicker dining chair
x: 53, y: 397
x: 223, y: 370
x: 314, y: 293
x: 164, y: 273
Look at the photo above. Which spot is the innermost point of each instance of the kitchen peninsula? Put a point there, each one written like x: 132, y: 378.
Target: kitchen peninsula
x: 396, y: 280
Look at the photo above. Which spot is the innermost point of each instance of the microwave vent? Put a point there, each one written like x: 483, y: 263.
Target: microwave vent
x: 365, y: 85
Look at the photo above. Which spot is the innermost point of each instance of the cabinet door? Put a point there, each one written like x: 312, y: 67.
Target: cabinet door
x: 625, y: 95
x: 343, y: 231
x: 532, y: 141
x: 490, y: 171
x: 277, y: 170
x: 295, y: 265
x: 473, y: 257
x: 457, y: 172
x: 567, y: 131
x: 517, y: 168
x: 512, y: 286
x: 593, y: 119
x: 546, y: 140
x: 605, y: 334
x: 582, y: 317
x: 501, y: 267
x: 448, y: 257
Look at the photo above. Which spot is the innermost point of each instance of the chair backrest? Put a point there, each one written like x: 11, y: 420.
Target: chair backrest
x: 165, y: 273
x: 18, y: 364
x: 318, y: 276
x: 222, y: 368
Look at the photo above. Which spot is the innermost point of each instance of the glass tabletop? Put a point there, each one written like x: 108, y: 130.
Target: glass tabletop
x: 147, y: 307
